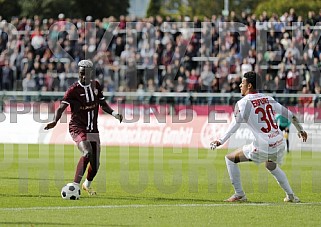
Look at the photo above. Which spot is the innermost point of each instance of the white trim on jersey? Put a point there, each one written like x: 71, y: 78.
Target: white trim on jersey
x: 88, y: 120
x: 83, y: 85
x: 92, y: 120
x: 63, y: 101
x: 86, y: 93
x: 91, y: 94
x: 89, y: 98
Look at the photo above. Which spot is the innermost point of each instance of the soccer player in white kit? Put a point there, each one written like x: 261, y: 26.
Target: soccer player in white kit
x: 258, y: 111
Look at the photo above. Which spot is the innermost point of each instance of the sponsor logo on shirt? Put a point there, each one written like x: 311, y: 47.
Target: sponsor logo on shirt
x: 88, y: 107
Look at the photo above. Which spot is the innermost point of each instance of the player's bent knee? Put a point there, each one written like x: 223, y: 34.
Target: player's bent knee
x: 227, y: 158
x: 232, y: 158
x: 85, y: 148
x: 86, y: 153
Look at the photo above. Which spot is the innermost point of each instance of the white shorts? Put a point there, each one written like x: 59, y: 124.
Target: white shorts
x: 259, y: 156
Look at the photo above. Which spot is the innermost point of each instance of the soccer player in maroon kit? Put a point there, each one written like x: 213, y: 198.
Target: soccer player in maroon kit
x: 84, y: 98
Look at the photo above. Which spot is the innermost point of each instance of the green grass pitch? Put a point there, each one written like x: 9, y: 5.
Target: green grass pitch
x: 139, y: 186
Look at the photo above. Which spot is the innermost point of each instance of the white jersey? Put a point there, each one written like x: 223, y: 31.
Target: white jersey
x: 258, y: 112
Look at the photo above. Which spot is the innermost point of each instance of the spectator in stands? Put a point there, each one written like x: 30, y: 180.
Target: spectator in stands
x: 267, y: 83
x: 292, y: 83
x: 167, y: 54
x: 6, y: 77
x: 130, y: 74
x: 251, y: 33
x: 292, y: 51
x: 306, y: 60
x: 317, y: 97
x: 311, y: 18
x: 181, y: 73
x: 28, y: 84
x: 285, y: 40
x: 251, y: 58
x: 28, y: 63
x: 38, y: 42
x: 206, y: 78
x: 181, y: 85
x: 314, y: 70
x: 156, y: 48
x: 119, y: 46
x: 168, y: 73
x: 141, y: 92
x: 3, y: 38
x: 192, y: 80
x: 167, y: 86
x: 305, y: 101
x: 244, y: 46
x: 278, y: 85
x: 150, y: 86
x: 188, y: 58
x: 246, y: 66
x: 293, y: 80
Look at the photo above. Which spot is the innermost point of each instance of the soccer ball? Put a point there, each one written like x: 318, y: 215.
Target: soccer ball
x: 70, y: 191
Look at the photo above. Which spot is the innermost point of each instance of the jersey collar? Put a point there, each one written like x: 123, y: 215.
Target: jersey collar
x: 83, y: 85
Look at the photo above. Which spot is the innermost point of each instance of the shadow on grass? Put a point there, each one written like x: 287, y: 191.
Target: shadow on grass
x: 164, y: 199
x: 129, y: 198
x: 28, y: 178
x: 30, y: 195
x: 31, y: 223
x: 99, y: 198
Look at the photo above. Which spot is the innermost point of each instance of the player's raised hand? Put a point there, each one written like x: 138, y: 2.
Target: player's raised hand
x: 215, y: 144
x: 302, y: 134
x: 119, y: 117
x: 50, y: 125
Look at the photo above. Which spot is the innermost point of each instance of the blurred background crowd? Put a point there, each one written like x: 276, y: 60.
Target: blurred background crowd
x: 165, y: 54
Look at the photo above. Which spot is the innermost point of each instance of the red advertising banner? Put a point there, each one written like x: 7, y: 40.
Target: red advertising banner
x: 145, y: 125
x: 167, y: 132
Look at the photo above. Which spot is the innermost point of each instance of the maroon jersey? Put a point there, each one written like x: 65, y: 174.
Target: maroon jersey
x: 84, y: 103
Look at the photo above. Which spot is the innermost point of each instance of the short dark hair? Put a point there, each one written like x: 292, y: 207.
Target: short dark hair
x: 252, y: 78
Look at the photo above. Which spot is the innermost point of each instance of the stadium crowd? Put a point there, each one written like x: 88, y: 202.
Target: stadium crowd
x: 165, y: 54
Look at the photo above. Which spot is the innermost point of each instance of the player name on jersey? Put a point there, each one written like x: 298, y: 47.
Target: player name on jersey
x: 260, y: 101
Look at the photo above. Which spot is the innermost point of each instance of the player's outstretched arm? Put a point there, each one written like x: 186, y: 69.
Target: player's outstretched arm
x: 58, y: 114
x: 301, y: 133
x: 104, y: 105
x: 233, y: 127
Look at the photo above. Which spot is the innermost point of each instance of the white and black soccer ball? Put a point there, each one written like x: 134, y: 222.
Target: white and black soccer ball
x: 70, y: 191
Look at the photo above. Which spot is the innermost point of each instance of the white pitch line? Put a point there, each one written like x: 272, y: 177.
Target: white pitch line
x: 148, y: 206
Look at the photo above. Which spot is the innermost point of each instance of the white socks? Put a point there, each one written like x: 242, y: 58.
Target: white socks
x: 281, y: 178
x: 87, y: 183
x: 235, y: 176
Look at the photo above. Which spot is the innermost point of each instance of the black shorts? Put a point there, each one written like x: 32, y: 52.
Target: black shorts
x: 286, y: 129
